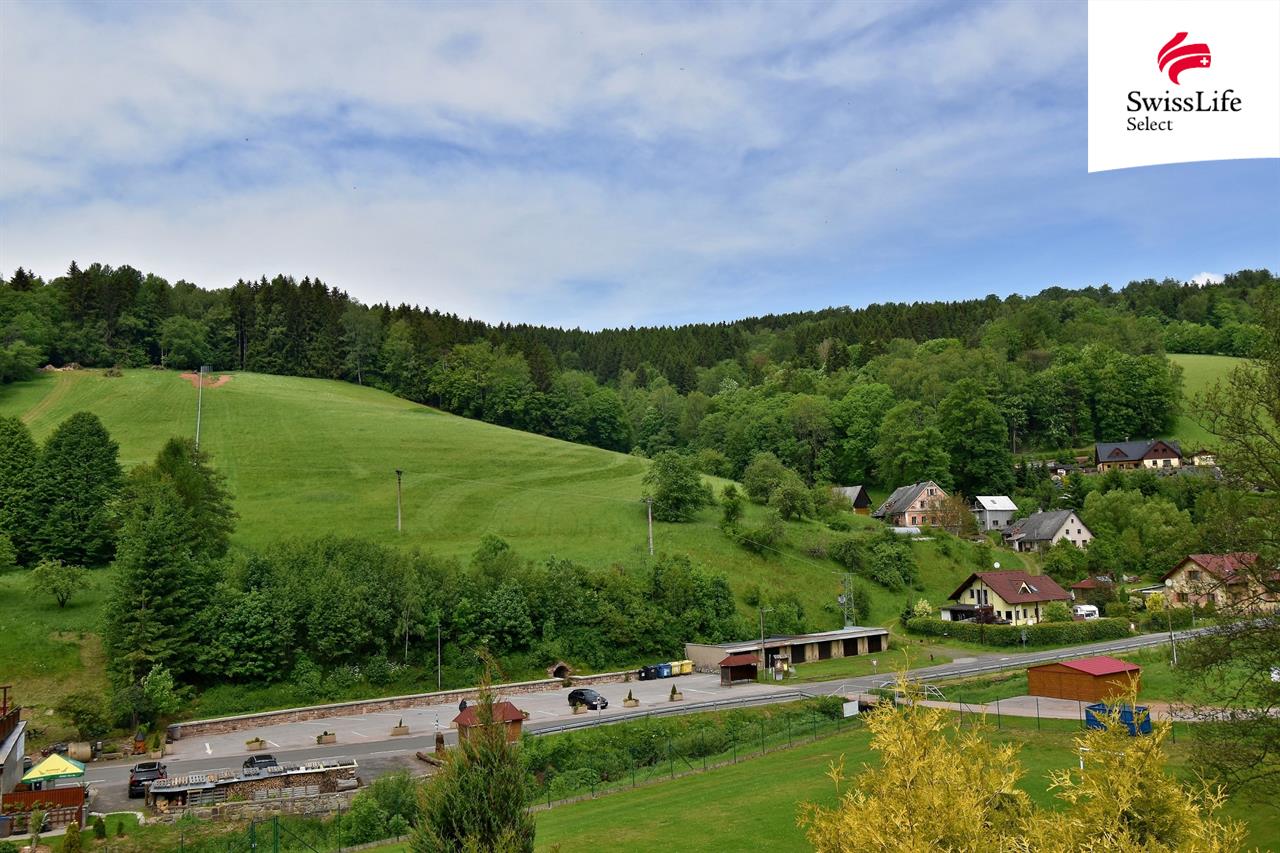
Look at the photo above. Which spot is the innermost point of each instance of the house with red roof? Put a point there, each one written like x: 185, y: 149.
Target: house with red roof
x: 1085, y: 680
x: 1009, y: 596
x: 1231, y: 581
x: 505, y: 714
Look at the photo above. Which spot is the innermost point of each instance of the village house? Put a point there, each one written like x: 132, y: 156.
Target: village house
x: 994, y: 512
x: 1204, y: 458
x: 912, y: 505
x: 1092, y: 589
x: 1043, y: 530
x: 857, y: 496
x: 1008, y: 596
x: 1227, y: 581
x: 1131, y: 455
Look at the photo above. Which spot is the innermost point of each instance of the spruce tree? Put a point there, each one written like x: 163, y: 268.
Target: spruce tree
x: 78, y: 476
x: 480, y: 800
x: 157, y: 588
x: 201, y: 489
x: 19, y: 458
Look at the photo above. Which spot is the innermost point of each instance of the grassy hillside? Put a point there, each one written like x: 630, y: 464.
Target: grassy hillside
x: 306, y: 457
x: 1199, y: 372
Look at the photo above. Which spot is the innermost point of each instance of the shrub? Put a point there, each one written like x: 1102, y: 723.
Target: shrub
x: 1043, y: 634
x: 9, y: 847
x: 764, y: 474
x: 840, y: 525
x: 1179, y: 617
x: 1057, y: 611
x: 71, y: 842
x: 99, y: 828
x: 86, y: 712
x: 365, y: 821
x: 761, y: 537
x: 791, y: 498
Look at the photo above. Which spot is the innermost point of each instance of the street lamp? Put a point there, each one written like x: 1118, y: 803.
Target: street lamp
x: 1168, y: 612
x: 763, y: 658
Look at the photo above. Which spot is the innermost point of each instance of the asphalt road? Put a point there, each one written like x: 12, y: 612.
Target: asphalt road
x: 366, y: 738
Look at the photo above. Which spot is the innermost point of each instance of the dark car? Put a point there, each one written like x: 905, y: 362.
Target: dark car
x: 258, y: 762
x: 587, y: 696
x: 143, y: 774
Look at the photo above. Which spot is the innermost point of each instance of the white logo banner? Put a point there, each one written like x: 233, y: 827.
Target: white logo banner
x: 1178, y: 81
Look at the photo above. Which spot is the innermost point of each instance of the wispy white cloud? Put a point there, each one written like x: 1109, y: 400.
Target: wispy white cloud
x: 1206, y: 278
x: 577, y: 163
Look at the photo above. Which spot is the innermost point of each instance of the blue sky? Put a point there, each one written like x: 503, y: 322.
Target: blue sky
x: 593, y: 164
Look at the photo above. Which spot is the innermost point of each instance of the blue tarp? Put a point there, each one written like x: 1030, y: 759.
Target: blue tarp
x: 1136, y: 718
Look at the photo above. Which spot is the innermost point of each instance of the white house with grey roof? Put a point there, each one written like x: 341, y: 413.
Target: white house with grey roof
x: 994, y: 512
x: 1045, y: 529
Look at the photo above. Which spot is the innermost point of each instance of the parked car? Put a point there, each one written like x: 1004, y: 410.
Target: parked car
x: 587, y: 696
x: 143, y: 774
x: 258, y: 762
x: 1085, y: 611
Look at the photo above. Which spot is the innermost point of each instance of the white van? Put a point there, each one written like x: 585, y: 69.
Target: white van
x: 1085, y: 611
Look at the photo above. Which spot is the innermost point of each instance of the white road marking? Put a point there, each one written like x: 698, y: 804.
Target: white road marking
x: 208, y: 749
x: 273, y: 743
x: 359, y: 734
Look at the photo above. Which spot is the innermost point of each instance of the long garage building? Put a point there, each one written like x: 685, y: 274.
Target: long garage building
x: 800, y: 648
x: 1085, y: 680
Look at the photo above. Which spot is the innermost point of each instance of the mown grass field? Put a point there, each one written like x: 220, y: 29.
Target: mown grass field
x: 308, y: 457
x: 754, y: 804
x: 1199, y: 372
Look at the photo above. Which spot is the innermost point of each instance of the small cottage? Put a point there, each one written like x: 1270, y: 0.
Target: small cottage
x: 1009, y: 596
x: 1086, y: 680
x: 993, y: 512
x: 505, y: 714
x: 913, y: 505
x: 1230, y: 581
x: 1130, y: 455
x: 857, y: 497
x: 1043, y: 530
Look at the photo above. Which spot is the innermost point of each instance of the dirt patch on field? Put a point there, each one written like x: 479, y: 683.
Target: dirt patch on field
x: 194, y: 379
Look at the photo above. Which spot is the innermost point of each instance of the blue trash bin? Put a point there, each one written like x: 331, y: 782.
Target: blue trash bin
x: 664, y: 670
x: 1137, y: 719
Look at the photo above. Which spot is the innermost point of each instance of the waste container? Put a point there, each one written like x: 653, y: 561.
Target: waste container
x: 686, y: 667
x: 1136, y: 719
x: 664, y: 670
x: 648, y: 673
x: 6, y: 826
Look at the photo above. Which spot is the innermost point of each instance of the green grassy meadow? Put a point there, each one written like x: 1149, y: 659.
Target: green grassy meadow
x: 739, y: 806
x: 1199, y: 372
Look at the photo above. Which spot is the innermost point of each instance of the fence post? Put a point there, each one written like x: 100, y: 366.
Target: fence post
x: 275, y: 832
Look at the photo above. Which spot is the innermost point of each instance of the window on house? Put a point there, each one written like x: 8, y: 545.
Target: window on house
x: 1008, y: 614
x: 1167, y: 463
x: 1182, y: 598
x: 1193, y: 574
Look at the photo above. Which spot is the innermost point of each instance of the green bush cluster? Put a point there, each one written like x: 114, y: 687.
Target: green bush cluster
x: 1179, y: 617
x: 1043, y: 634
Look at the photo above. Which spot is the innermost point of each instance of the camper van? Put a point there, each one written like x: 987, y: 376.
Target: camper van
x: 1085, y: 611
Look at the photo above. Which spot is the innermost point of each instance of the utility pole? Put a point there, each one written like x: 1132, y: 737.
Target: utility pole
x: 846, y: 599
x: 763, y: 658
x: 204, y: 368
x: 399, y: 474
x: 648, y: 502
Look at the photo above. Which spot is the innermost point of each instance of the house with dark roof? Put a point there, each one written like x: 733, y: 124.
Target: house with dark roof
x: 993, y: 512
x: 1130, y: 455
x: 1099, y: 586
x: 857, y: 496
x: 1009, y: 596
x: 1042, y: 530
x: 913, y: 505
x: 1229, y: 581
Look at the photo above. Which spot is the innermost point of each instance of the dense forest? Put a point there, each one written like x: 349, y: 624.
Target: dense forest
x: 888, y: 393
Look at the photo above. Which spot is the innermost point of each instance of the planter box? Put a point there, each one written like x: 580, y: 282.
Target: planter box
x: 399, y: 731
x: 156, y: 753
x: 255, y: 745
x: 676, y: 697
x: 579, y: 709
x: 321, y: 740
x: 631, y: 703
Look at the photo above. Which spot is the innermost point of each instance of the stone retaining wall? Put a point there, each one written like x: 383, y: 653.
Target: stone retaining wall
x: 320, y: 804
x: 222, y: 725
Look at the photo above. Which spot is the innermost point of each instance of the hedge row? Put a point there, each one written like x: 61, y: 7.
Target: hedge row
x: 1043, y: 634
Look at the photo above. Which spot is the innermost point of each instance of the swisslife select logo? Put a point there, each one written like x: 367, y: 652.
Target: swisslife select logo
x: 1158, y: 93
x: 1178, y: 57
x: 1175, y: 58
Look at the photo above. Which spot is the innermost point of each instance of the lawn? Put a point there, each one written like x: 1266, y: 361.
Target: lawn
x: 1199, y: 372
x: 741, y: 806
x: 49, y: 651
x: 308, y: 457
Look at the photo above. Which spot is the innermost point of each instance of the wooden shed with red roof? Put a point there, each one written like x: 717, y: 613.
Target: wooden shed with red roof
x: 504, y: 714
x: 741, y: 667
x: 1084, y: 680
